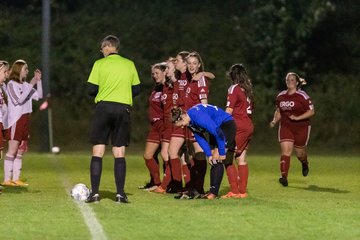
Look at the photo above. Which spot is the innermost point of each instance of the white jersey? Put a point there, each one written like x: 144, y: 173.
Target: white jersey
x: 3, y: 106
x: 20, y: 99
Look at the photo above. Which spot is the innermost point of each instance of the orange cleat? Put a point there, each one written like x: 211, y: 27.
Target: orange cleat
x: 159, y: 189
x: 20, y: 183
x: 243, y: 195
x: 231, y: 195
x: 8, y: 184
x: 209, y: 196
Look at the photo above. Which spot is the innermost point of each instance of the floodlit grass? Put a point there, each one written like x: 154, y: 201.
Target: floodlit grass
x: 324, y: 205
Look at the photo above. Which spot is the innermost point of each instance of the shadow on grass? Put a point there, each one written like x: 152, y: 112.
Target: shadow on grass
x: 315, y: 188
x: 110, y: 195
x: 16, y: 190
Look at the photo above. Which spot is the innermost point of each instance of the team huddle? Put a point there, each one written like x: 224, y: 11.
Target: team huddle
x: 191, y: 133
x: 15, y: 107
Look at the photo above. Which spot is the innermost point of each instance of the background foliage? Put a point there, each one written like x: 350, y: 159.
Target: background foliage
x: 316, y: 38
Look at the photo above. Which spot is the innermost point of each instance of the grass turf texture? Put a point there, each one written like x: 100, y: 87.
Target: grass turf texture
x: 324, y: 205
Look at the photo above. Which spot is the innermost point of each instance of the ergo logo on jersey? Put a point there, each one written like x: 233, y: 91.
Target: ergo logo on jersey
x: 182, y: 83
x: 163, y: 97
x: 286, y: 104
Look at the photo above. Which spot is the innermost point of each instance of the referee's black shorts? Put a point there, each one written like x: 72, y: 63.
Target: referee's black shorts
x: 111, y: 121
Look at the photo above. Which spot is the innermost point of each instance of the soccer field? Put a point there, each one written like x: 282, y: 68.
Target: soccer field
x: 324, y: 205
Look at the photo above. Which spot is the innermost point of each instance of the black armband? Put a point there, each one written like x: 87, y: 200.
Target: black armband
x: 135, y: 90
x: 92, y: 89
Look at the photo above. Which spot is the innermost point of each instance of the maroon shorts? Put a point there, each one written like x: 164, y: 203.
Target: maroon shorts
x: 244, y: 132
x: 155, y: 133
x: 178, y: 132
x: 167, y: 130
x: 299, y: 135
x: 20, y: 130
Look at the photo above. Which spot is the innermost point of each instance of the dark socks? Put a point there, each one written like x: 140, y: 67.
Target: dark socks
x: 95, y: 174
x: 120, y: 174
x: 216, y: 175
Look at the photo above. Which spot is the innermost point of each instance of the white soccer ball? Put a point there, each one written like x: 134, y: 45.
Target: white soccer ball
x: 55, y: 150
x: 80, y: 192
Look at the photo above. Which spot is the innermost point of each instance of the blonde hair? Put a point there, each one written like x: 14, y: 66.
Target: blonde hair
x: 4, y: 64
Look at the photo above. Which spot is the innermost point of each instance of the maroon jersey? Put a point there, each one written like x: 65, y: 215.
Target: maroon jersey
x: 167, y: 101
x: 195, y: 92
x: 179, y: 90
x: 294, y: 104
x: 155, y: 111
x: 237, y: 100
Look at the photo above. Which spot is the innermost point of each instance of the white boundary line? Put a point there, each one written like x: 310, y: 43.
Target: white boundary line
x: 94, y: 226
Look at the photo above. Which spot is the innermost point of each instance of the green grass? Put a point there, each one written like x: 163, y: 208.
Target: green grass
x: 324, y: 205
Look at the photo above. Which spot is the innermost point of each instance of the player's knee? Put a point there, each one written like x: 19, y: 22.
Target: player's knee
x: 200, y: 156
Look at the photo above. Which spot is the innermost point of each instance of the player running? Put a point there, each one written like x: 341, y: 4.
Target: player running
x: 293, y: 110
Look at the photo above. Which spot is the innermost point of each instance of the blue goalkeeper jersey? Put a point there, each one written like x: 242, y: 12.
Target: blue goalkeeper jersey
x: 208, y: 118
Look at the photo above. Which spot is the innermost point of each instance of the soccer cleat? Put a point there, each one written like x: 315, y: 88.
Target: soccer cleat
x: 243, y: 195
x: 305, y: 168
x: 283, y: 181
x: 121, y: 199
x: 19, y: 183
x: 178, y: 196
x: 147, y: 186
x: 230, y: 195
x: 159, y: 189
x: 150, y: 189
x: 209, y: 196
x: 8, y: 184
x: 93, y: 198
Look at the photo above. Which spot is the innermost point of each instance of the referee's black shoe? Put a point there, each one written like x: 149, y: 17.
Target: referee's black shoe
x: 121, y: 199
x: 283, y: 181
x: 305, y: 168
x: 95, y: 198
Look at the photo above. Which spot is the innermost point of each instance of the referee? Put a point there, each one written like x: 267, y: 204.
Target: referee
x: 113, y: 82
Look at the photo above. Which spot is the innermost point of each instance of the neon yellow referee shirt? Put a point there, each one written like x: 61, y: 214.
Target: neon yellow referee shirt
x: 115, y: 75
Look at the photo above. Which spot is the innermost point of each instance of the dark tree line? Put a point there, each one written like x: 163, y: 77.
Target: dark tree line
x: 316, y: 38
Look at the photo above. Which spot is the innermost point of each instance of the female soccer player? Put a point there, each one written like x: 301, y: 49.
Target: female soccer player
x: 167, y: 104
x: 293, y: 110
x: 239, y: 105
x: 156, y: 118
x: 197, y: 92
x: 206, y: 118
x: 20, y: 95
x: 4, y: 74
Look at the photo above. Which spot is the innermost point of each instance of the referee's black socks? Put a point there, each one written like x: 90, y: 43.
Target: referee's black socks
x: 95, y: 174
x: 120, y: 174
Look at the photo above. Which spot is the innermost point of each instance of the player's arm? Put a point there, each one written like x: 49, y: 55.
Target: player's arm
x: 199, y: 75
x: 17, y: 97
x: 308, y: 114
x: 276, y: 118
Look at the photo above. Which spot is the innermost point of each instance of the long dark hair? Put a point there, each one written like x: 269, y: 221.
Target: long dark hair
x: 238, y: 75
